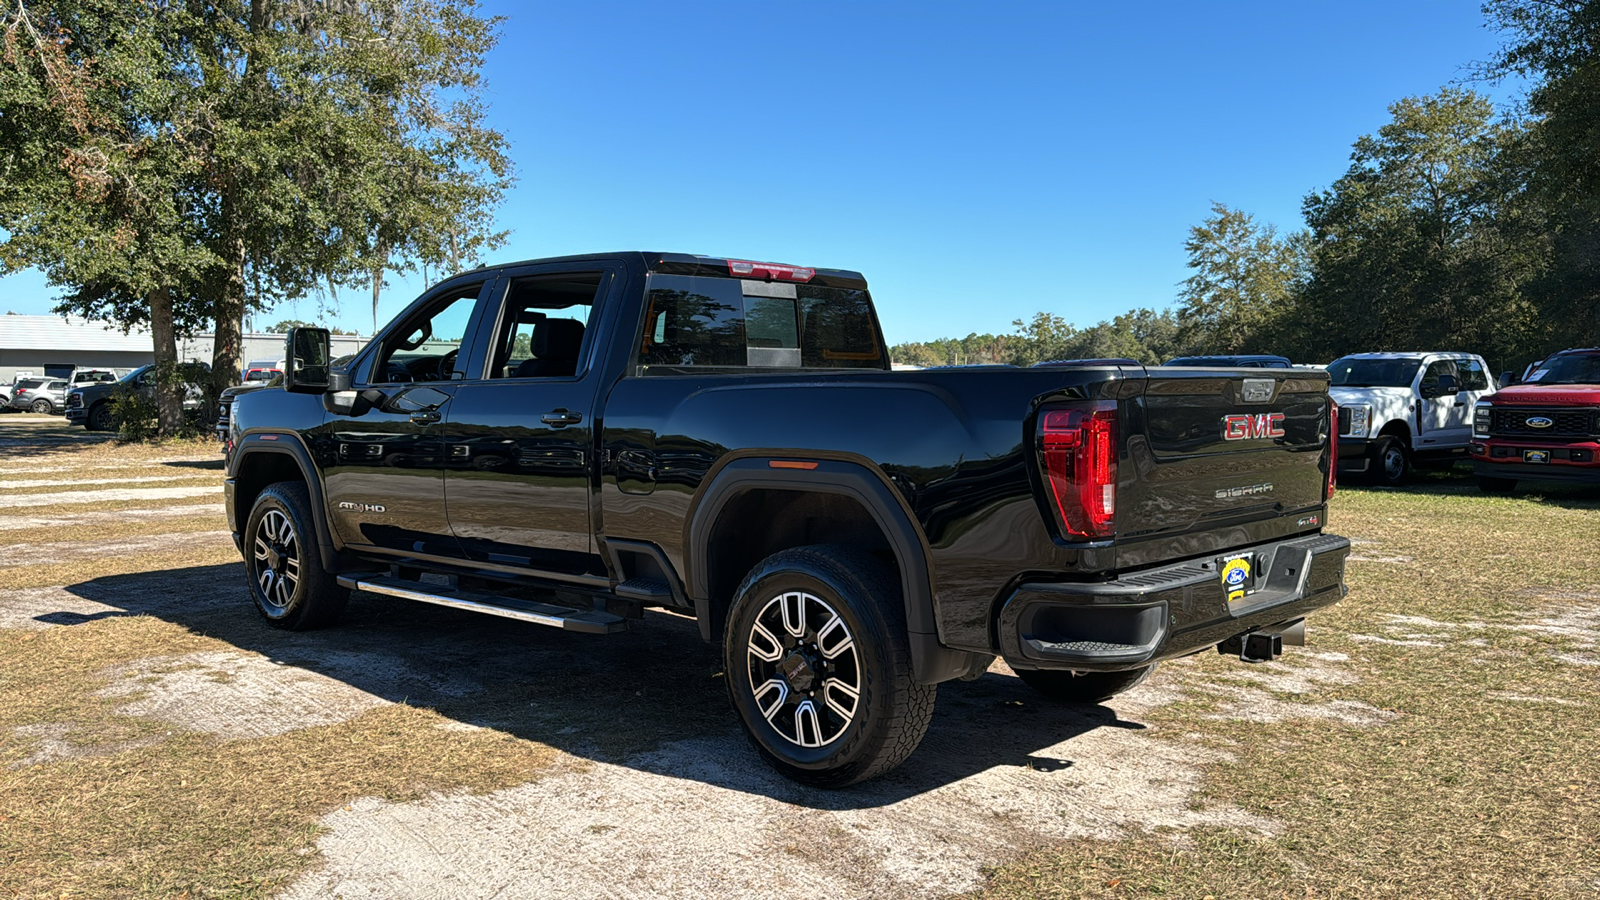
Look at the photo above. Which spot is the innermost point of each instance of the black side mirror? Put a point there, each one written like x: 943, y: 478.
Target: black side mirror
x: 306, y: 356
x: 1448, y: 385
x: 1507, y: 378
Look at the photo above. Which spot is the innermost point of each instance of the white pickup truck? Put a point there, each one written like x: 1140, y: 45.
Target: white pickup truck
x: 1397, y: 410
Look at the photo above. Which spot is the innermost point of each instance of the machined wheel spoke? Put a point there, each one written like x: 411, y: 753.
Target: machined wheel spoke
x: 282, y: 590
x: 262, y: 549
x: 793, y: 608
x: 841, y: 698
x: 770, y: 697
x: 266, y: 579
x: 807, y: 730
x: 764, y: 645
x: 836, y: 632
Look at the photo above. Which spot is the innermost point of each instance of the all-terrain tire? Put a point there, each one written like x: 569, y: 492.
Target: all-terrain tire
x: 1391, y: 462
x: 283, y: 564
x: 793, y: 610
x: 100, y: 417
x: 1491, y: 485
x: 1083, y: 687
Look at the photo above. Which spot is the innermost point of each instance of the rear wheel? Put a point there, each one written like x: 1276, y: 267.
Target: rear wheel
x: 1083, y: 687
x: 290, y: 587
x: 819, y: 668
x: 1390, y: 462
x: 1491, y: 485
x: 100, y: 418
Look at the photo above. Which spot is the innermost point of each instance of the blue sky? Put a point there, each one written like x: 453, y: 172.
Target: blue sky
x: 979, y: 162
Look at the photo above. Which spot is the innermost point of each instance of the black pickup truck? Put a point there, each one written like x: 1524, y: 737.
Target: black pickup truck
x: 572, y: 441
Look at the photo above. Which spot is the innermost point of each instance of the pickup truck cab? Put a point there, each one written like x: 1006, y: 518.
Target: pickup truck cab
x: 1544, y: 429
x: 573, y: 441
x: 1398, y: 410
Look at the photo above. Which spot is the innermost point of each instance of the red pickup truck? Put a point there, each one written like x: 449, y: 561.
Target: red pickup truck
x: 1545, y: 429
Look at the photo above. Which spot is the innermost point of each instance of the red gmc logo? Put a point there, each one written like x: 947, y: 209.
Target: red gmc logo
x: 1247, y: 428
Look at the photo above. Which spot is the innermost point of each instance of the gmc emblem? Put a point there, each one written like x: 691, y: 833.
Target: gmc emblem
x: 1253, y: 427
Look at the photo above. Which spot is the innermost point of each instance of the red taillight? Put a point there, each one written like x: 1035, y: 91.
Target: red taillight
x: 1333, y: 449
x: 1079, y: 447
x: 744, y: 268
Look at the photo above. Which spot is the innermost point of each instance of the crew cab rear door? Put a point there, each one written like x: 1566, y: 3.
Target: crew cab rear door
x: 1216, y: 448
x: 520, y: 439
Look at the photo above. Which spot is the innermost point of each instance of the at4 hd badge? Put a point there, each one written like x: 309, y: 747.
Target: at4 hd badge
x: 1237, y: 575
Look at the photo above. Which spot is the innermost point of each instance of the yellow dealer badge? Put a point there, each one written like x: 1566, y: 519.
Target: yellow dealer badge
x: 1236, y: 576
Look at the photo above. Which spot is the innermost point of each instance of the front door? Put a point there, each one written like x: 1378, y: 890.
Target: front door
x: 521, y: 436
x: 384, y: 462
x: 1444, y: 426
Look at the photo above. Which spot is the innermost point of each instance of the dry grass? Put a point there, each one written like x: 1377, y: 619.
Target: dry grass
x: 178, y: 557
x: 1484, y: 785
x: 93, y: 530
x: 144, y: 810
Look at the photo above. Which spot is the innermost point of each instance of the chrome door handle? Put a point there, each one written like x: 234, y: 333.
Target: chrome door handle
x: 560, y: 418
x: 425, y: 417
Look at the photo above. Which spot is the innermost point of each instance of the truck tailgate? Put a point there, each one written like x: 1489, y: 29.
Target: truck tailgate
x: 1212, y: 448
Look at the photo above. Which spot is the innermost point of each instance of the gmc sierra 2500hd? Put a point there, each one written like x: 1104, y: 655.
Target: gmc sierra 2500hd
x: 571, y: 441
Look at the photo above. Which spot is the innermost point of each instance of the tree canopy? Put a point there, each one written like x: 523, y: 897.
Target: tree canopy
x: 182, y: 163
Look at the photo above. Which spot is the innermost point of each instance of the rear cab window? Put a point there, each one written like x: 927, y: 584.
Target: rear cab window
x: 699, y: 321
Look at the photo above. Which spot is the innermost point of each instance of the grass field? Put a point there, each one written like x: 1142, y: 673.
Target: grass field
x: 1437, y: 738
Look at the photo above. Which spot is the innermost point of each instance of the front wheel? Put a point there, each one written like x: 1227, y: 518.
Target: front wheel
x: 1391, y: 464
x: 1083, y: 687
x: 41, y: 407
x: 290, y: 587
x: 1491, y: 485
x: 818, y: 666
x: 100, y: 418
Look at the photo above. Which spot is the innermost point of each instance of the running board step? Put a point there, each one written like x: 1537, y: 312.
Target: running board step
x: 588, y: 621
x: 648, y: 590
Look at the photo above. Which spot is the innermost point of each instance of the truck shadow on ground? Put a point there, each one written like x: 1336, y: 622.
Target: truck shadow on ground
x: 652, y: 698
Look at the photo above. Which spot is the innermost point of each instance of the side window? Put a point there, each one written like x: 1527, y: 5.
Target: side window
x: 707, y: 321
x: 1473, y: 377
x: 544, y: 326
x: 693, y: 321
x: 1430, y: 377
x: 425, y: 346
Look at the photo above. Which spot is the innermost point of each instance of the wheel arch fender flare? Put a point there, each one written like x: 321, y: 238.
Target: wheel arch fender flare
x: 863, y: 483
x: 284, y: 444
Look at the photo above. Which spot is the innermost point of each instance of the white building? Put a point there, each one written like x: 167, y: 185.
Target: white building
x: 55, y: 345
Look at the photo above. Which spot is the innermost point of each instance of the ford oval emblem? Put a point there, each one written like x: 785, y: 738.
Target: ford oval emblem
x: 1539, y: 421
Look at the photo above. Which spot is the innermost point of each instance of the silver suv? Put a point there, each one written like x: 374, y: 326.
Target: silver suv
x: 41, y: 395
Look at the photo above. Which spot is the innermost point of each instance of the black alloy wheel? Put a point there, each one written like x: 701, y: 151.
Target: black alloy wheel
x: 288, y: 582
x: 818, y: 666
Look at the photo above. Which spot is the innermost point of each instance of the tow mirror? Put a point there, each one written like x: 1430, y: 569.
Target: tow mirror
x: 1448, y: 385
x: 306, y: 356
x: 1507, y: 378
